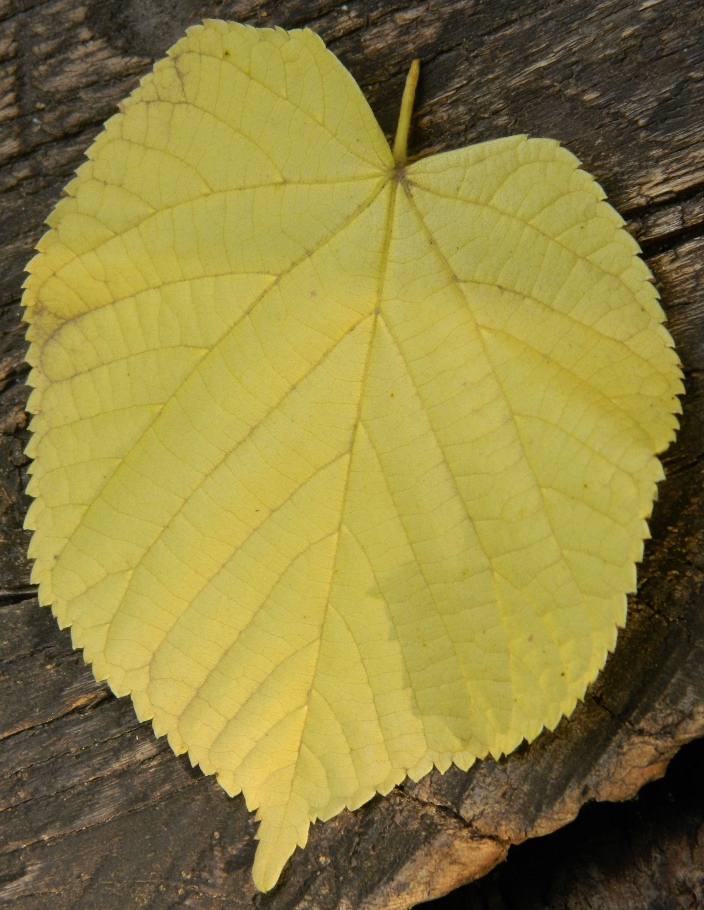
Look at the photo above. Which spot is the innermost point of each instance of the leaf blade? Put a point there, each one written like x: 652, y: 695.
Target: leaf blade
x: 342, y: 468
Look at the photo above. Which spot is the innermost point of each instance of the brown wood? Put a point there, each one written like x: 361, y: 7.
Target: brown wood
x: 94, y: 811
x: 643, y: 854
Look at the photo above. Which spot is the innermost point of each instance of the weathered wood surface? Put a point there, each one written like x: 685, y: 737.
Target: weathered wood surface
x: 643, y: 854
x: 97, y: 813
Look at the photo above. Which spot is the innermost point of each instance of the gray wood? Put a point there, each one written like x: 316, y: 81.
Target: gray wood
x: 94, y: 811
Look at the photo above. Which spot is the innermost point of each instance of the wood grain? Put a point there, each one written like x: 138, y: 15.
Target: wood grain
x: 97, y: 813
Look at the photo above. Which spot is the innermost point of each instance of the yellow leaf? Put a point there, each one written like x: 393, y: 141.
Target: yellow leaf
x: 342, y: 464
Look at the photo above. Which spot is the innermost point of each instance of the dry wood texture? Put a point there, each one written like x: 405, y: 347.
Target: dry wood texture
x: 644, y: 854
x: 94, y: 811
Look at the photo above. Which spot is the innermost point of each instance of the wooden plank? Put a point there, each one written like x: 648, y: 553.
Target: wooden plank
x: 94, y: 811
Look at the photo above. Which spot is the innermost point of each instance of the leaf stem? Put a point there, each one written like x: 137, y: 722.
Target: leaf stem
x: 404, y: 117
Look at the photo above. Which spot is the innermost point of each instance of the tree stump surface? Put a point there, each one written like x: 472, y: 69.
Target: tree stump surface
x: 95, y: 812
